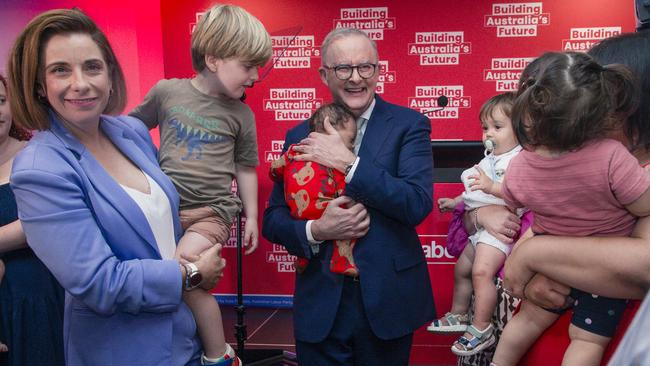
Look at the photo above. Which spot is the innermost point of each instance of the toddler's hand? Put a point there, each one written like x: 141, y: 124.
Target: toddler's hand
x: 446, y: 204
x: 481, y: 181
x: 251, y: 235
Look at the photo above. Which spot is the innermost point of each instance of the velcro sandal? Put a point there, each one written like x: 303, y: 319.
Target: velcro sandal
x: 456, y: 323
x: 477, y: 341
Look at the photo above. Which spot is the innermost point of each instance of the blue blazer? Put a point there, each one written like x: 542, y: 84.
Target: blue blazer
x: 394, y: 180
x: 123, y: 302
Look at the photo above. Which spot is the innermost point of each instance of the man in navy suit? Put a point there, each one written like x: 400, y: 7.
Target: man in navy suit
x: 369, y: 319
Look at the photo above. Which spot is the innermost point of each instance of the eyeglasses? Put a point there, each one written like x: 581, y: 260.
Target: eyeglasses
x: 344, y: 72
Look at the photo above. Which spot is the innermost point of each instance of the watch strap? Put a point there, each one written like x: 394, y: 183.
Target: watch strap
x: 348, y: 168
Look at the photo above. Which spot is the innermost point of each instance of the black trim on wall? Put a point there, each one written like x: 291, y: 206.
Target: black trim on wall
x: 450, y: 158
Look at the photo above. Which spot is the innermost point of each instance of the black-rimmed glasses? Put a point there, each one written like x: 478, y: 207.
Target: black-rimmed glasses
x: 344, y: 72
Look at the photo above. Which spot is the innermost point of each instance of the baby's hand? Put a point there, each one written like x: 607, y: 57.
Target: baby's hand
x: 446, y: 204
x: 481, y: 181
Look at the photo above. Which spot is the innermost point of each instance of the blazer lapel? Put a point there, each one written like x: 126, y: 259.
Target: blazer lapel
x: 127, y: 141
x: 377, y: 130
x: 104, y: 185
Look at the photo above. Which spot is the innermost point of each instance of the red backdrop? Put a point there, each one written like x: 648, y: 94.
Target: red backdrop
x: 467, y: 50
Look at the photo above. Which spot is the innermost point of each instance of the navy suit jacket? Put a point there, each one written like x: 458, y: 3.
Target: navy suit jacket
x: 394, y: 180
x: 123, y: 302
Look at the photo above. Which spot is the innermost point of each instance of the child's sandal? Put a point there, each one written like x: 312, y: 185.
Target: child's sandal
x: 456, y: 323
x: 478, y: 341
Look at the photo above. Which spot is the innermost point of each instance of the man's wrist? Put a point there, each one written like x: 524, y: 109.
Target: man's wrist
x: 349, y: 173
x: 347, y: 162
x: 348, y: 168
x: 313, y: 232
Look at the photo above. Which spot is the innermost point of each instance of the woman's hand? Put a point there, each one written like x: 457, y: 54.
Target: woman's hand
x: 520, y: 281
x: 210, y: 265
x: 497, y: 220
x: 547, y: 293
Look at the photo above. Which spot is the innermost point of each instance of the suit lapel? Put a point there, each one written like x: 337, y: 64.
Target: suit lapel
x: 377, y: 130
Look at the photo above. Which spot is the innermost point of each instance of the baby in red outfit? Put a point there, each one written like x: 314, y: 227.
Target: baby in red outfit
x: 309, y: 186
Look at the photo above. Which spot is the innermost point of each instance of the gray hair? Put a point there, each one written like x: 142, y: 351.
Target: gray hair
x: 339, y: 33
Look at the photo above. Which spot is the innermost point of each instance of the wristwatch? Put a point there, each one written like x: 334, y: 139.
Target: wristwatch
x: 348, y: 168
x: 193, y: 277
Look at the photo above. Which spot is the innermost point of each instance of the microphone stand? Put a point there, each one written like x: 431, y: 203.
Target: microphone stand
x: 250, y: 357
x: 240, y: 326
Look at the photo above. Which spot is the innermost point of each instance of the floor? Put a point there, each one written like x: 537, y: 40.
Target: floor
x: 271, y: 329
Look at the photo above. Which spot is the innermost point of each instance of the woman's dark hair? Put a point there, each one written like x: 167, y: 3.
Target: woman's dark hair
x: 567, y: 99
x: 633, y: 51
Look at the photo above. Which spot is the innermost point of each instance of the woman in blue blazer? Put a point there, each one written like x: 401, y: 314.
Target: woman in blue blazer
x: 76, y: 185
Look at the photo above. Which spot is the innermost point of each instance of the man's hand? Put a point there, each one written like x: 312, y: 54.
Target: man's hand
x: 326, y: 149
x: 342, y: 219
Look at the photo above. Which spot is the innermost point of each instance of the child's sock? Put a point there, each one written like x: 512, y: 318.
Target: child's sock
x: 227, y: 359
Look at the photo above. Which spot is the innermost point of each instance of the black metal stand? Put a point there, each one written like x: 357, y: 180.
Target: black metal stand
x: 240, y: 326
x: 252, y: 357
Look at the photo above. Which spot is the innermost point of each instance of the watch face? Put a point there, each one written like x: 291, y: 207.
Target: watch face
x: 195, y: 279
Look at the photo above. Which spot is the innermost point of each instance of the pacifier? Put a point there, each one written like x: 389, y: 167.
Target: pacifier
x: 489, y: 146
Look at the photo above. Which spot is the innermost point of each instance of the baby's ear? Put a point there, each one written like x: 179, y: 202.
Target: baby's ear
x: 328, y: 126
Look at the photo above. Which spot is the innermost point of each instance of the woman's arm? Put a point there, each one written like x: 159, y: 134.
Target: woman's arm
x: 12, y: 237
x: 616, y: 267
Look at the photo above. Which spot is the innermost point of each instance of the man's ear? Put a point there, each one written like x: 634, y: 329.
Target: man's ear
x: 212, y: 63
x: 323, y: 74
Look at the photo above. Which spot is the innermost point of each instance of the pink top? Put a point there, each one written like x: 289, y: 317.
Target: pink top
x: 579, y: 193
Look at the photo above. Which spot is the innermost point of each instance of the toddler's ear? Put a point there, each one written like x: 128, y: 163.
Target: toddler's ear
x: 212, y: 63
